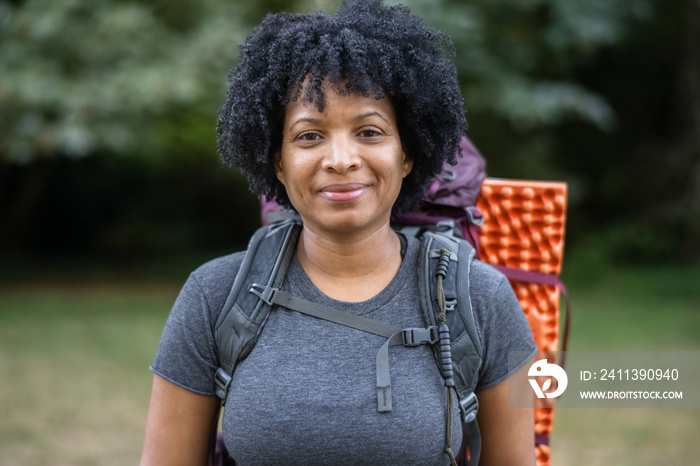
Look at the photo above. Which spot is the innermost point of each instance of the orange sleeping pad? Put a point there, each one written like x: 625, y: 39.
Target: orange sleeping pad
x: 524, y: 228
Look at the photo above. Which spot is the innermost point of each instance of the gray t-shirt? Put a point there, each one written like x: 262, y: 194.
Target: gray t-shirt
x: 306, y: 394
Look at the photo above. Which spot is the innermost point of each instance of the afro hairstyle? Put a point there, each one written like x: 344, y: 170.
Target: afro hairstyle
x: 373, y: 49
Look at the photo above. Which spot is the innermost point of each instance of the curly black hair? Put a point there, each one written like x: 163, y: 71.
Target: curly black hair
x: 373, y: 49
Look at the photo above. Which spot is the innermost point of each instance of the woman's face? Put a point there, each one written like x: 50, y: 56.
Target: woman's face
x: 342, y: 168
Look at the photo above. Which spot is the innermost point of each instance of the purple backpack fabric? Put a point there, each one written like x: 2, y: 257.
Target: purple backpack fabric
x: 218, y: 454
x: 455, y: 189
x: 452, y: 196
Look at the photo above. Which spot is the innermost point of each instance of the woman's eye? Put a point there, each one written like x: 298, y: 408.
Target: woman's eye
x: 309, y: 137
x: 369, y: 133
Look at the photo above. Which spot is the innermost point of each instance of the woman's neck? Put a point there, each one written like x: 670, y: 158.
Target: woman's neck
x: 350, y: 268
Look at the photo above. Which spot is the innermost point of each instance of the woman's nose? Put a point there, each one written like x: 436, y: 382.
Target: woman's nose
x: 342, y: 156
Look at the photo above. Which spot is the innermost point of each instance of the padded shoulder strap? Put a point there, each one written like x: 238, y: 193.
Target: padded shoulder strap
x: 465, y: 344
x: 243, y: 315
x: 467, y: 349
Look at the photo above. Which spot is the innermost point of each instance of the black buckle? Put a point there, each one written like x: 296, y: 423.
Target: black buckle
x: 420, y: 336
x: 263, y: 292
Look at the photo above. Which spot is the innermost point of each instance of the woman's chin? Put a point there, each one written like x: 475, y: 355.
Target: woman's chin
x: 343, y: 221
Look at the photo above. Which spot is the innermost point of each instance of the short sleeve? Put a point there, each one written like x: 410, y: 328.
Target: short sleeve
x: 187, y: 354
x: 501, y: 324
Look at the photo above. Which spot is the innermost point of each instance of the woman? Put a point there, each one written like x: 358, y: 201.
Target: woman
x: 344, y: 119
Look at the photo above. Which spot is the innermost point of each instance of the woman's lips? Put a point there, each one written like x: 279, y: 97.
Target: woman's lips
x: 344, y: 192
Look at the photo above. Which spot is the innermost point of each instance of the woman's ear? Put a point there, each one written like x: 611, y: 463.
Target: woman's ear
x: 277, y: 161
x: 407, y: 164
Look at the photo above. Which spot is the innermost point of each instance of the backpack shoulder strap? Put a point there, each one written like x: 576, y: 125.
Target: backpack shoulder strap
x: 467, y: 350
x: 244, y: 314
x: 465, y: 344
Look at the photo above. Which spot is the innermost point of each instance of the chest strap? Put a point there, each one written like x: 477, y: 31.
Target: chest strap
x: 394, y: 335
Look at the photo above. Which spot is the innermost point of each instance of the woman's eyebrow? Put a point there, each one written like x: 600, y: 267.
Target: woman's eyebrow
x: 316, y: 121
x: 313, y: 121
x: 369, y: 114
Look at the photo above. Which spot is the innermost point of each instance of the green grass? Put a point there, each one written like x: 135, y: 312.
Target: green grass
x: 75, y: 384
x: 74, y: 370
x: 637, y: 310
x: 632, y: 310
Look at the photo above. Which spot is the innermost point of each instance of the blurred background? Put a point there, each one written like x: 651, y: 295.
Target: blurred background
x: 111, y: 192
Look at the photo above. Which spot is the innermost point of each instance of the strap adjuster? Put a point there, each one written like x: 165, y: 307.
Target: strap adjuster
x: 448, y: 174
x: 474, y: 215
x: 263, y: 292
x: 469, y: 406
x: 222, y: 381
x: 420, y: 336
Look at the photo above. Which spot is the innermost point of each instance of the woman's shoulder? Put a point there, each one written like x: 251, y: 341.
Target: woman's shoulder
x: 214, y: 278
x: 500, y: 322
x: 491, y: 293
x: 220, y: 267
x: 485, y: 277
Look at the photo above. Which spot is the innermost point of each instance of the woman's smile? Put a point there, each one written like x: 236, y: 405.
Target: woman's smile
x: 344, y: 192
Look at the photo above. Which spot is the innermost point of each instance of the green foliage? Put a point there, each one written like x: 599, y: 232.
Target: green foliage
x: 601, y: 94
x: 81, y: 77
x: 515, y: 58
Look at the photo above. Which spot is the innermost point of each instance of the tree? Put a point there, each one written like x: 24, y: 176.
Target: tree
x: 81, y: 77
x: 600, y: 93
x: 134, y: 79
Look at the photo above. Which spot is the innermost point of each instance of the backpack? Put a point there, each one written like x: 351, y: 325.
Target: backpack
x: 447, y: 225
x: 494, y: 215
